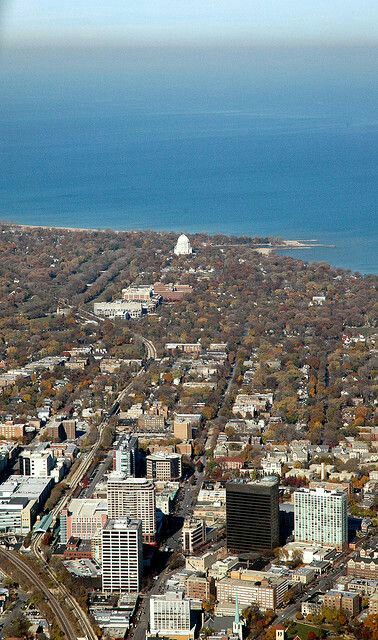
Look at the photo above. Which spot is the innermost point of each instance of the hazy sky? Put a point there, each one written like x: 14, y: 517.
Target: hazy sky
x: 331, y: 21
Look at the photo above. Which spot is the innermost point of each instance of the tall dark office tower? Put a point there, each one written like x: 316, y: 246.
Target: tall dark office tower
x: 252, y: 515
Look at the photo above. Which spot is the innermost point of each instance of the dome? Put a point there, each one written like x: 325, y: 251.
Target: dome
x: 183, y: 246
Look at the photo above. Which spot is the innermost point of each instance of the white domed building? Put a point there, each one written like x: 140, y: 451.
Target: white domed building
x: 183, y: 246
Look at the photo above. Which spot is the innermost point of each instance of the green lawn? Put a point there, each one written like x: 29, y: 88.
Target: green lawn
x: 302, y: 630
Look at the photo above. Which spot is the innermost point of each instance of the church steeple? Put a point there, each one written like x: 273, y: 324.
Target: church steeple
x: 237, y: 626
x: 237, y: 615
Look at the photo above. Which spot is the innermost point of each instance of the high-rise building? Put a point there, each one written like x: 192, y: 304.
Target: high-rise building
x: 321, y: 516
x: 164, y: 466
x: 125, y: 453
x: 122, y: 556
x: 170, y: 615
x: 135, y: 498
x: 252, y: 515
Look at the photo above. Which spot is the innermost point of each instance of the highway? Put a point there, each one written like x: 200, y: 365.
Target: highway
x: 27, y: 572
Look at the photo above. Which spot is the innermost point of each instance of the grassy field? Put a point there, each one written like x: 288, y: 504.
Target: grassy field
x: 302, y: 630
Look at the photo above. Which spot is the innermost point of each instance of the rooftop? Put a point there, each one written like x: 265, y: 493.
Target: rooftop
x: 27, y: 486
x: 122, y: 524
x: 87, y: 507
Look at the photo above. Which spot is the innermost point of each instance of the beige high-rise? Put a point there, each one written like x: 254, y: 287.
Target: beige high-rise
x: 133, y: 498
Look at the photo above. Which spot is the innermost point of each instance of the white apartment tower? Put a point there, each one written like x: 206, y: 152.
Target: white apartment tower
x: 321, y: 516
x: 122, y: 556
x: 133, y: 498
x: 170, y: 614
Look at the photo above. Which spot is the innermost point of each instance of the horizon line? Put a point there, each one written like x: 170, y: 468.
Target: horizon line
x: 87, y: 42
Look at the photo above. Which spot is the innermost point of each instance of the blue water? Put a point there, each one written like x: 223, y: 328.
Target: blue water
x: 257, y: 142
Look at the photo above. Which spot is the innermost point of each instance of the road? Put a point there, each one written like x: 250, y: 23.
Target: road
x: 322, y: 583
x: 187, y: 499
x: 189, y: 495
x: 139, y: 631
x: 27, y: 572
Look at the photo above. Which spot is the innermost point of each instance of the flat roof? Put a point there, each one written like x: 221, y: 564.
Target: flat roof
x: 28, y: 486
x: 267, y: 481
x: 163, y: 455
x: 87, y: 507
x: 122, y: 524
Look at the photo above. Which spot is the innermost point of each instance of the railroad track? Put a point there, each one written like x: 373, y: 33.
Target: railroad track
x: 27, y: 572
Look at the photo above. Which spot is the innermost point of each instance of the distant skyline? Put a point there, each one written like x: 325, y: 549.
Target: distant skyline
x: 96, y: 22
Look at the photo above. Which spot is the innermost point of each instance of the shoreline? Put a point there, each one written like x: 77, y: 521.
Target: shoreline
x: 293, y: 244
x: 286, y: 247
x: 282, y: 245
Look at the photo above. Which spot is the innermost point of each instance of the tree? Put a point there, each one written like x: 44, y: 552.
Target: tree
x: 370, y: 626
x: 17, y: 626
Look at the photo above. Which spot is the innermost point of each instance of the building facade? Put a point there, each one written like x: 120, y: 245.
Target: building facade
x: 321, y: 516
x: 118, y: 309
x: 82, y: 518
x: 135, y: 498
x: 164, y: 466
x: 363, y: 567
x: 348, y: 601
x: 11, y: 431
x: 125, y: 455
x: 122, y: 556
x: 21, y: 499
x: 193, y: 535
x: 38, y: 463
x: 252, y: 515
x: 266, y: 591
x: 170, y: 615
